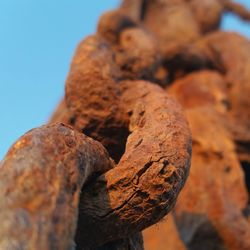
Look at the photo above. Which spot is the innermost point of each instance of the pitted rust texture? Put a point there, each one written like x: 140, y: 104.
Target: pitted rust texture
x: 211, y: 211
x: 176, y: 60
x: 148, y: 177
x: 91, y: 102
x: 40, y: 182
x: 150, y: 174
x: 177, y: 45
x: 155, y: 165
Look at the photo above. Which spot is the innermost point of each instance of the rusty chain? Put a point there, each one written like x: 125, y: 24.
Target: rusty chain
x: 60, y: 189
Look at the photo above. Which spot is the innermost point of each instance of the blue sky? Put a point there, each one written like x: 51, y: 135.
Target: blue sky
x: 37, y: 41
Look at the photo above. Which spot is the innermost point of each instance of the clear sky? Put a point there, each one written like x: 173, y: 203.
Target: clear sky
x: 37, y: 41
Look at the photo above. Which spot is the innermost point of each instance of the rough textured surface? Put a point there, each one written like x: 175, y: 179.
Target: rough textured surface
x: 221, y: 96
x: 173, y: 43
x: 143, y: 187
x: 92, y: 95
x: 40, y: 182
x: 211, y: 210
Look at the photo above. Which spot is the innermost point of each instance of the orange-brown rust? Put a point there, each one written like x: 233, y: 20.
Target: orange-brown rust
x: 112, y: 23
x: 230, y: 52
x: 92, y: 95
x: 163, y: 236
x: 202, y: 88
x: 40, y: 182
x: 143, y: 187
x: 209, y: 211
x: 173, y: 43
x: 137, y: 54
